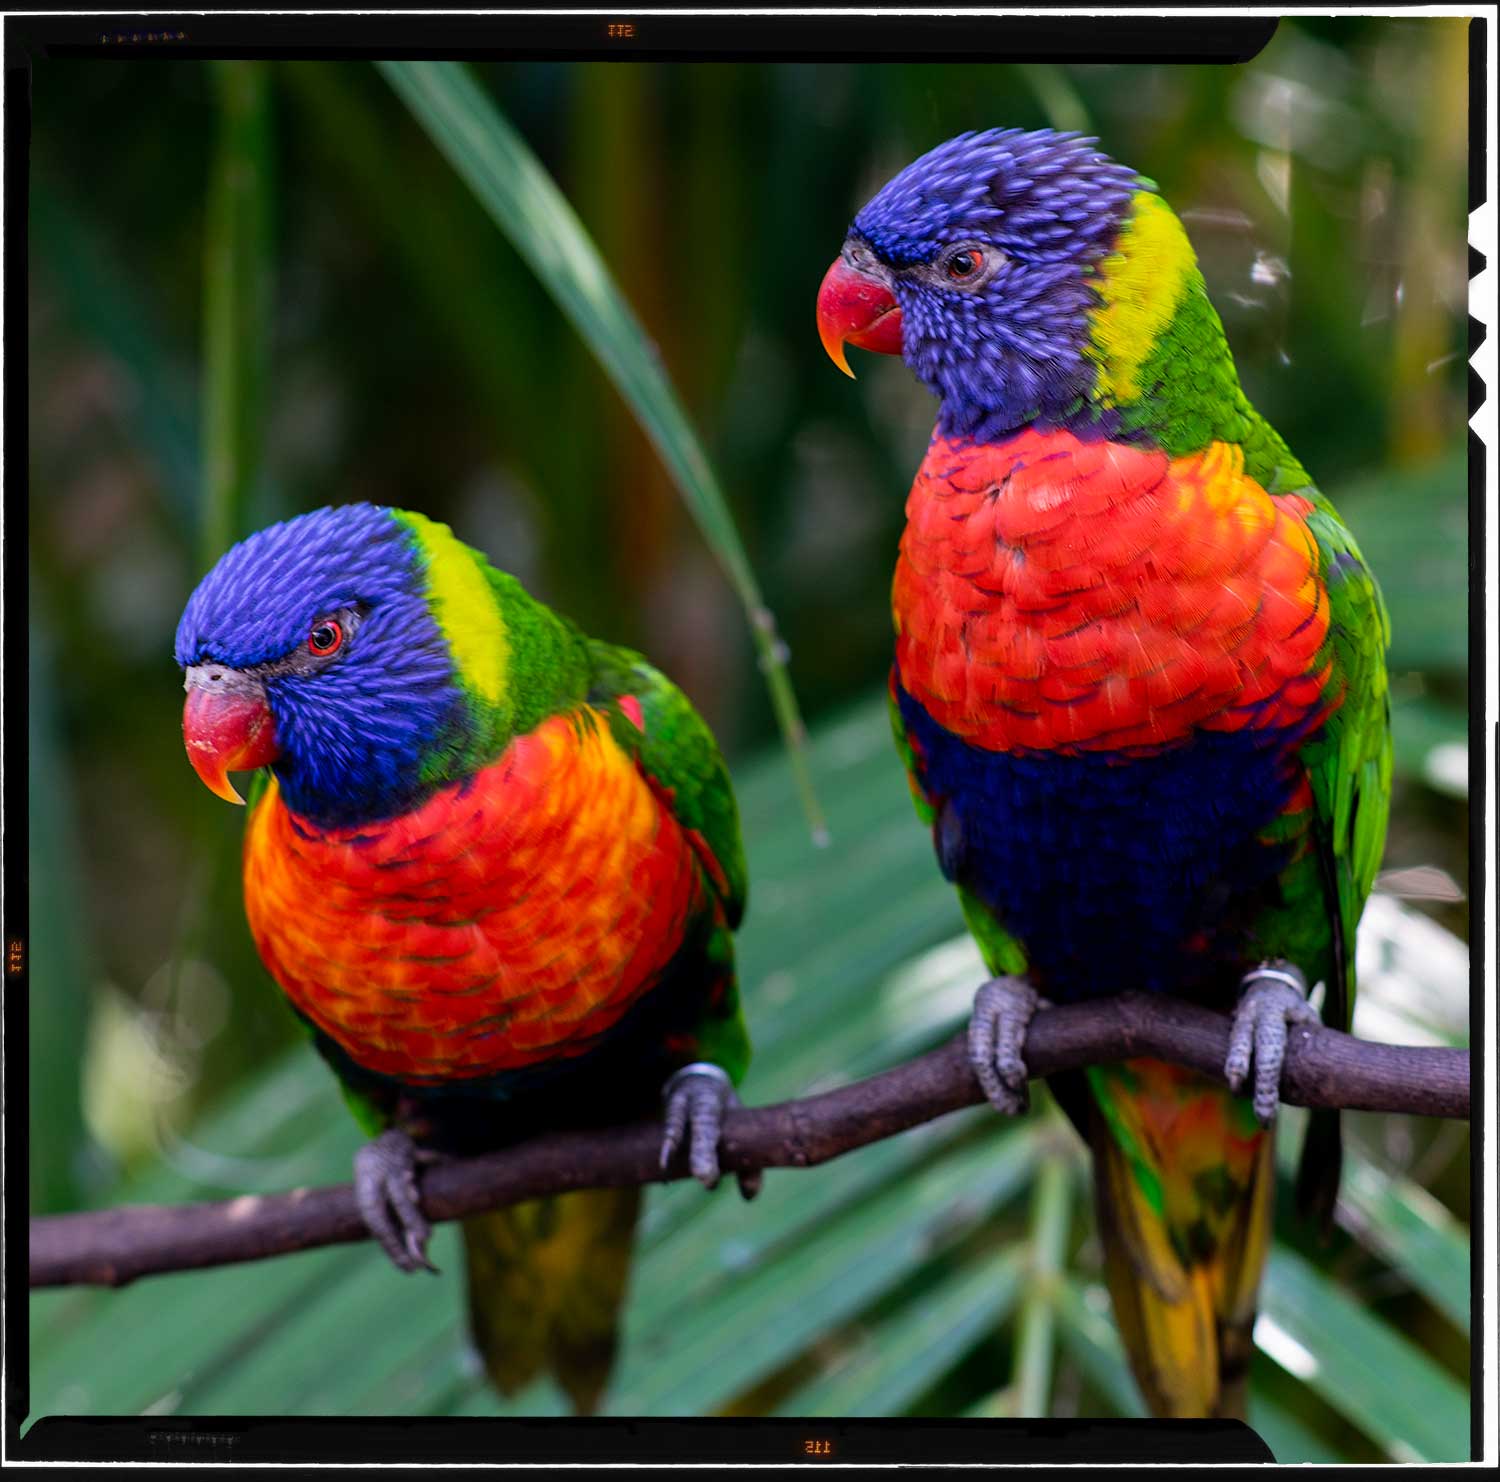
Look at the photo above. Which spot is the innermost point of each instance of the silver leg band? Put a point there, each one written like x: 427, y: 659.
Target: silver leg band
x: 1275, y: 975
x: 698, y: 1067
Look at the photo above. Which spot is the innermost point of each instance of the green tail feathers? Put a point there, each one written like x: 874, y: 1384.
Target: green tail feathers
x: 1184, y: 1183
x: 547, y: 1282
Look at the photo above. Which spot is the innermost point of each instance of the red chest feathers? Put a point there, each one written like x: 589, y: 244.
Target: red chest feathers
x: 508, y: 921
x: 1060, y: 595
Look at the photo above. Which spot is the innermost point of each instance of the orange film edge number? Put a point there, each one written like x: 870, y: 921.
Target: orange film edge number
x: 618, y: 29
x: 817, y: 1448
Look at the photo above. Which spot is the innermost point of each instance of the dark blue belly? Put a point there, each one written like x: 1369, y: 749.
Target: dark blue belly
x: 1115, y: 872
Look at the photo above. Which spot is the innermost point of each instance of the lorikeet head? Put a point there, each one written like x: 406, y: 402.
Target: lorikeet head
x: 358, y: 651
x: 979, y: 263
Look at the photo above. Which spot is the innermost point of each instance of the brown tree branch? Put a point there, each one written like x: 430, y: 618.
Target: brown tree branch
x: 1323, y: 1068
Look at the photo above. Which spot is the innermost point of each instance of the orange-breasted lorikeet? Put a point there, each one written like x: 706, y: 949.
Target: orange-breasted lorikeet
x: 495, y: 866
x: 1139, y: 687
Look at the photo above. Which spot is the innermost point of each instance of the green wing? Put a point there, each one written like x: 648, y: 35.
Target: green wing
x: 1349, y: 766
x: 1349, y: 771
x: 678, y: 754
x: 656, y: 724
x: 1002, y: 952
x: 909, y: 760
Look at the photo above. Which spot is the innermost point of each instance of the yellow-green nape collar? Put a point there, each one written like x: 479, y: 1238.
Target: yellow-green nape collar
x: 1141, y: 285
x: 464, y: 606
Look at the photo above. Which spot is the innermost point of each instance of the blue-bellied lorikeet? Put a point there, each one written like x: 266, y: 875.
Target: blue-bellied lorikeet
x: 1139, y: 687
x: 495, y: 866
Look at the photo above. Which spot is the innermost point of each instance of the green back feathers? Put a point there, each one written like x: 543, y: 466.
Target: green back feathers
x: 678, y: 754
x: 1162, y: 359
x: 1349, y: 766
x: 516, y: 660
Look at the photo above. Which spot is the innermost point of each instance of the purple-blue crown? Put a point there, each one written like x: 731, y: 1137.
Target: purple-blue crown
x: 256, y: 602
x: 1040, y: 196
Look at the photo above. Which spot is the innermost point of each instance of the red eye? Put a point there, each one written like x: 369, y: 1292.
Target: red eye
x: 326, y: 638
x: 964, y: 264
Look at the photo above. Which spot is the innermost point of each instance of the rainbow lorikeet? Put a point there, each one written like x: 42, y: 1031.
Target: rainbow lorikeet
x: 495, y: 866
x: 1139, y: 688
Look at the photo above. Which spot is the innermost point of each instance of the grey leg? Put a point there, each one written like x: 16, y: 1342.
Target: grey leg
x: 1272, y: 996
x: 385, y: 1187
x: 697, y: 1097
x: 1003, y: 1008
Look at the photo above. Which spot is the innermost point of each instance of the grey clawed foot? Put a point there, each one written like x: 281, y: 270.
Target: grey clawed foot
x: 1272, y: 996
x: 385, y: 1188
x: 696, y: 1097
x: 1003, y: 1009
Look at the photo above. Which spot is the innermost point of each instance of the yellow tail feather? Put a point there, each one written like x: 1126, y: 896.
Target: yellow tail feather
x: 1183, y: 1295
x: 547, y: 1281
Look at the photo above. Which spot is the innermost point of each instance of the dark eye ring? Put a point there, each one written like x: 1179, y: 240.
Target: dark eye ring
x: 326, y: 638
x: 964, y: 264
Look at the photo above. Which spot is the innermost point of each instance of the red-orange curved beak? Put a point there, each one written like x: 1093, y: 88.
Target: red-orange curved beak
x: 227, y: 727
x: 856, y: 309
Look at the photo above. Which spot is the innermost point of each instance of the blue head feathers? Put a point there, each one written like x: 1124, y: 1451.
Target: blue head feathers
x: 361, y: 731
x: 988, y: 242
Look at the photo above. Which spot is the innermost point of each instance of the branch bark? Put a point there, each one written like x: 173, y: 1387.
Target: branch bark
x: 1323, y: 1068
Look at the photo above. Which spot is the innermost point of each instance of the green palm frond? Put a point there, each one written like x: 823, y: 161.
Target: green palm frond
x: 499, y: 166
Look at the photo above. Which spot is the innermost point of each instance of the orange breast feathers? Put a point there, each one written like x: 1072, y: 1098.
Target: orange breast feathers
x: 510, y: 920
x: 1062, y: 595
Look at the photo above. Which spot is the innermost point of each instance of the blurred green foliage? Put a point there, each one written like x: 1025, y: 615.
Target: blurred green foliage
x: 271, y: 292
